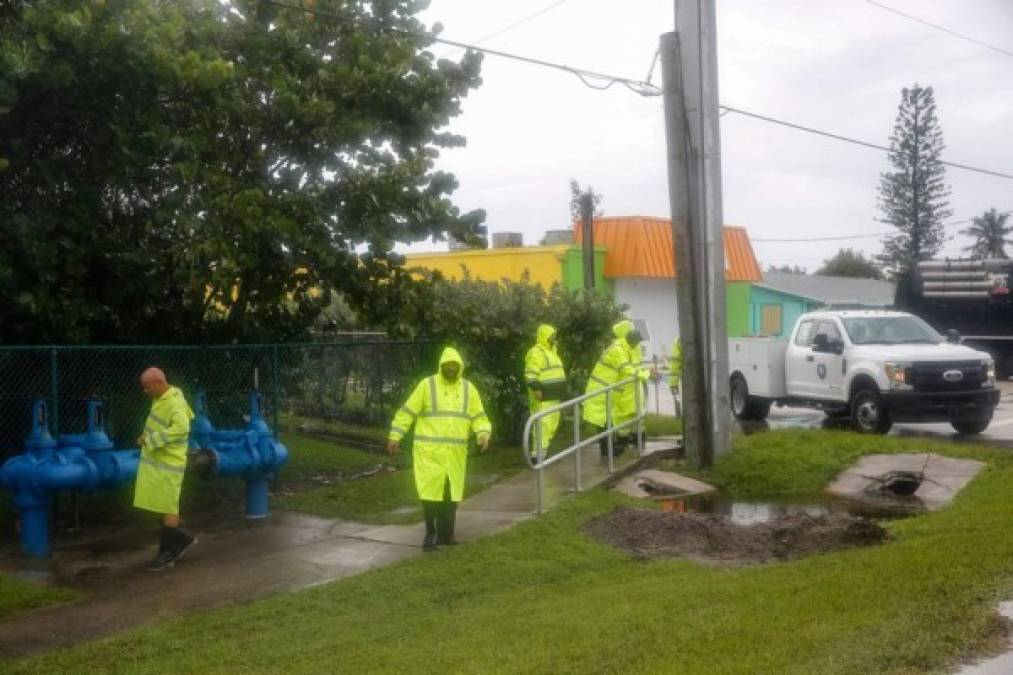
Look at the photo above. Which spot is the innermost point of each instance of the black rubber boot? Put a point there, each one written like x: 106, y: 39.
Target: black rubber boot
x: 165, y: 557
x: 446, y: 523
x: 182, y: 540
x: 429, y: 510
x: 603, y: 446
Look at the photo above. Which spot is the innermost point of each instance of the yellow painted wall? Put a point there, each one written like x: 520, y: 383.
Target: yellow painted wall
x: 544, y: 264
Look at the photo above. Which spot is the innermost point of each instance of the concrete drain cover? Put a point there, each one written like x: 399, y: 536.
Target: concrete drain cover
x: 932, y: 480
x: 654, y: 484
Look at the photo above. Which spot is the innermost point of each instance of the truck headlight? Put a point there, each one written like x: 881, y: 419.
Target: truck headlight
x: 990, y: 373
x: 896, y: 374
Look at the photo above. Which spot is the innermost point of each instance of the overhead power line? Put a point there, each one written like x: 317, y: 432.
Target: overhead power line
x: 515, y: 24
x: 874, y: 235
x: 594, y: 80
x: 854, y: 141
x: 599, y: 81
x: 943, y: 29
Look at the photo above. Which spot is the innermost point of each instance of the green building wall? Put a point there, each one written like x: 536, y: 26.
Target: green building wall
x: 573, y: 270
x: 737, y: 308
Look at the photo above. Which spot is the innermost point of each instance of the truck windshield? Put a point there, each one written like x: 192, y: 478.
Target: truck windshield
x: 890, y: 330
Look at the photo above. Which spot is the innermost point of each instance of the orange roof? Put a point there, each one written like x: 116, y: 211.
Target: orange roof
x: 641, y: 246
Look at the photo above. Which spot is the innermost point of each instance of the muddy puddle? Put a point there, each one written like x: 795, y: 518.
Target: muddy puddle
x: 757, y: 536
x: 742, y: 512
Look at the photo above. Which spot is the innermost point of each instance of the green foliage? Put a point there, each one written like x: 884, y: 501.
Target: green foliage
x: 786, y: 269
x: 913, y: 197
x: 196, y: 170
x: 584, y: 202
x: 850, y: 263
x: 990, y: 233
x: 493, y: 324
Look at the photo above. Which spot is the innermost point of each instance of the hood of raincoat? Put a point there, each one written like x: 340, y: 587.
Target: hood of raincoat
x: 545, y: 331
x: 450, y: 355
x: 622, y: 329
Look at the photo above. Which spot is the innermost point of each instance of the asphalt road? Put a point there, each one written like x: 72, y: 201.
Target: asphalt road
x: 1000, y: 432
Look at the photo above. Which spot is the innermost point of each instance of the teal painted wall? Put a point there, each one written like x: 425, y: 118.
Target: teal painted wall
x: 792, y: 307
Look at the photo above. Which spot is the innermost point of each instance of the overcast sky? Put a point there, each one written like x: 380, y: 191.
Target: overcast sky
x: 837, y: 65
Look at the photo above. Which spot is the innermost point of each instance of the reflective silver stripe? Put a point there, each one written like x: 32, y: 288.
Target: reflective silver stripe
x: 152, y: 416
x: 432, y: 394
x: 162, y: 465
x: 609, y: 366
x: 600, y: 381
x: 467, y: 389
x: 554, y: 381
x: 445, y: 414
x: 441, y: 439
x: 398, y: 430
x: 479, y: 416
x: 408, y: 410
x: 551, y: 368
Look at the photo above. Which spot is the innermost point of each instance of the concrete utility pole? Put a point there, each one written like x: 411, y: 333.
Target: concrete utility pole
x: 689, y: 69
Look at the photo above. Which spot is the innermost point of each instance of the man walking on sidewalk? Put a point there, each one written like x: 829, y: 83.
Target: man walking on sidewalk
x: 445, y: 409
x: 163, y: 463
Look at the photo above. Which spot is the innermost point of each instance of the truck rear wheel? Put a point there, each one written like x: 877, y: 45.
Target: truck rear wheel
x: 868, y: 414
x: 971, y: 427
x: 744, y: 406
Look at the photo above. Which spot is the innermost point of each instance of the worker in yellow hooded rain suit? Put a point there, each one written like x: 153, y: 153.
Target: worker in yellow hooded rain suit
x: 620, y: 361
x: 445, y: 409
x: 675, y: 374
x: 164, y: 446
x: 546, y: 382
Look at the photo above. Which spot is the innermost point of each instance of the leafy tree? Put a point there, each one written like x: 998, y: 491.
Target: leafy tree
x: 584, y: 201
x: 206, y: 170
x: 850, y: 263
x: 913, y: 197
x: 786, y: 269
x: 991, y: 234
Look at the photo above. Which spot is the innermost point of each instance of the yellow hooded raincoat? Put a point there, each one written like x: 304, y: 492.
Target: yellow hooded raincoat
x: 544, y: 369
x: 445, y: 414
x: 163, y: 453
x: 675, y: 365
x: 618, y: 362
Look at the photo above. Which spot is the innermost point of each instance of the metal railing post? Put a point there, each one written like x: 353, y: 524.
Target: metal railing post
x: 641, y: 407
x: 608, y: 426
x: 576, y: 442
x: 540, y: 468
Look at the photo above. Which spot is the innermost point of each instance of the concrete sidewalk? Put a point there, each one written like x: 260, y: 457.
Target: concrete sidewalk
x: 237, y: 561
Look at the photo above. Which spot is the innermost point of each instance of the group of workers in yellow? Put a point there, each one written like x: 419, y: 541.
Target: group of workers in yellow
x: 446, y: 410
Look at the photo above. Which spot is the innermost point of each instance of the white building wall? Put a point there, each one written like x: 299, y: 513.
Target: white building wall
x: 653, y: 301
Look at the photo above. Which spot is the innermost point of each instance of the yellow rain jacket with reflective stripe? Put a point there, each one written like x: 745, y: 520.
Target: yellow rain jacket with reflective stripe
x: 445, y: 414
x: 618, y: 362
x: 542, y: 365
x: 675, y: 364
x: 163, y: 453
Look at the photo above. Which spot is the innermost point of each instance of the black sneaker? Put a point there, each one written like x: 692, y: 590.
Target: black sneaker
x: 163, y: 561
x: 429, y: 544
x: 183, y: 541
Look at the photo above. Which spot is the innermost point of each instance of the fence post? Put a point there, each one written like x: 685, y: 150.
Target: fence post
x: 275, y: 394
x: 54, y: 393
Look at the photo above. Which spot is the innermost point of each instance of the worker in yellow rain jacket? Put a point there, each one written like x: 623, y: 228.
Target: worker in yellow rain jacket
x: 546, y: 382
x: 675, y: 374
x: 163, y: 462
x: 620, y: 361
x: 446, y: 409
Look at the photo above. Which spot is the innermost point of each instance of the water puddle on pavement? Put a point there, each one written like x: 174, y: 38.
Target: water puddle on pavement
x: 742, y: 512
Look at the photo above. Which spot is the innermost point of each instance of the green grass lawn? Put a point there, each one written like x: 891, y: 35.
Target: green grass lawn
x: 18, y: 596
x: 544, y: 598
x: 662, y: 425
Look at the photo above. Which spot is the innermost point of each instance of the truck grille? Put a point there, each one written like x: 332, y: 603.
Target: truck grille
x: 930, y: 376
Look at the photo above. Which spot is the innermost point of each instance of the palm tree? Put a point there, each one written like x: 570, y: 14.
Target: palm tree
x: 990, y: 232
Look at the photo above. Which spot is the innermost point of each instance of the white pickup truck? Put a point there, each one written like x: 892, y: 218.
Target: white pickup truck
x: 875, y: 367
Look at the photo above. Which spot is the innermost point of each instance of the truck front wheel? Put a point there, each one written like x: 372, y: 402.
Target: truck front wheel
x: 868, y: 414
x: 971, y: 427
x: 744, y: 406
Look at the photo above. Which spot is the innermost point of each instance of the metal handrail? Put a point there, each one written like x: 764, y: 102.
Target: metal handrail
x: 578, y: 443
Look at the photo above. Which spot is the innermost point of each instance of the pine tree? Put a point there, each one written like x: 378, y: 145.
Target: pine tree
x: 913, y: 197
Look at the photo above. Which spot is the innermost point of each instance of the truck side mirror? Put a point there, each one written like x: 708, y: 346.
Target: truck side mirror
x: 953, y: 336
x: 837, y: 346
x: 821, y: 343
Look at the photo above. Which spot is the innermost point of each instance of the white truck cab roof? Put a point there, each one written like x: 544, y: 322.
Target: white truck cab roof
x: 851, y: 314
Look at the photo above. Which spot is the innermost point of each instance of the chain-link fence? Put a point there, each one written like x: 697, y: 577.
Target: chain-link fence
x: 355, y: 381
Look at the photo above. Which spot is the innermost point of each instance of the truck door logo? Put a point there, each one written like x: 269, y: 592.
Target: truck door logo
x: 821, y: 371
x: 953, y: 375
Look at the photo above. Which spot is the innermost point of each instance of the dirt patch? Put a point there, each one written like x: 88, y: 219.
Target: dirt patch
x: 659, y: 534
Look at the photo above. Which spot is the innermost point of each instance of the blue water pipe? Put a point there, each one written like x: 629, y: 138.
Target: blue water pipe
x: 88, y: 462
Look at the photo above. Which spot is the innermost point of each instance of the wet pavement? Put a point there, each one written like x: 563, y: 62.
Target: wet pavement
x: 999, y: 665
x: 237, y: 560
